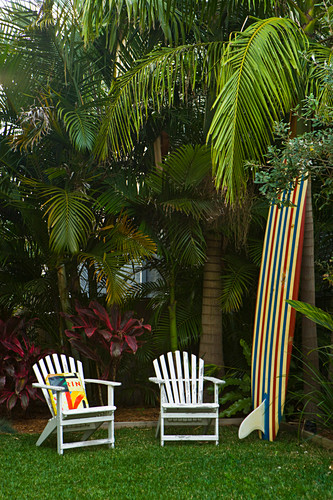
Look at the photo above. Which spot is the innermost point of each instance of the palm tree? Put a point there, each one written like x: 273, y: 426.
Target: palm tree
x: 145, y: 82
x: 179, y: 208
x: 261, y: 75
x: 275, y: 46
x: 58, y: 181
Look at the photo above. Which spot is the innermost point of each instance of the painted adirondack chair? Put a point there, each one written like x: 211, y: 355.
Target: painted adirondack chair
x: 87, y: 419
x: 181, y: 396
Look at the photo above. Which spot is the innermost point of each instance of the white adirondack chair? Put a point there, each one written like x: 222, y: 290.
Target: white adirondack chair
x: 181, y: 387
x: 83, y: 419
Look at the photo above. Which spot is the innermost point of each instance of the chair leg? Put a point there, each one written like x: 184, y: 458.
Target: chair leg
x: 49, y: 428
x: 91, y: 431
x: 217, y: 430
x: 162, y: 430
x: 111, y: 433
x: 60, y: 438
x: 208, y: 425
x: 158, y: 426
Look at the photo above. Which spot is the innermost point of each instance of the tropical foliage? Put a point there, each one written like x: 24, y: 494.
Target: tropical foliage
x: 17, y: 355
x: 181, y: 194
x: 103, y: 336
x: 316, y: 314
x: 52, y: 190
x: 88, y: 90
x: 238, y: 400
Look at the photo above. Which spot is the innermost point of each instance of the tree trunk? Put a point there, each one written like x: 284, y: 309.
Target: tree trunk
x: 161, y: 148
x: 211, y: 348
x: 92, y: 284
x: 64, y: 296
x: 307, y: 289
x: 173, y: 318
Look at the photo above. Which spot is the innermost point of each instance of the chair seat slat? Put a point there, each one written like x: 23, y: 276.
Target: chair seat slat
x: 187, y: 378
x: 200, y: 380
x: 56, y: 363
x: 49, y: 364
x: 166, y: 377
x: 194, y: 377
x: 180, y: 378
x: 72, y: 365
x: 173, y: 377
x: 64, y: 363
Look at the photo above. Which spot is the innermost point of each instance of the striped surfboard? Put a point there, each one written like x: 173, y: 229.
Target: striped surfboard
x: 275, y: 319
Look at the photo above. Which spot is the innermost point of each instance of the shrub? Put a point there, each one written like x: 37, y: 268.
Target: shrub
x: 237, y: 400
x: 103, y: 336
x: 17, y: 355
x: 317, y: 403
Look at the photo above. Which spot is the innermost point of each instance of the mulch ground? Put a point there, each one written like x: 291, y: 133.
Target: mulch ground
x: 34, y: 421
x: 34, y: 424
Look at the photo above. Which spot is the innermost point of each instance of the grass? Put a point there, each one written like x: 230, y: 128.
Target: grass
x: 138, y: 468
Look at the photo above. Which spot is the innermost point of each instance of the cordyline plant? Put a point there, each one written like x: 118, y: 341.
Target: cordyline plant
x: 103, y: 336
x: 17, y: 355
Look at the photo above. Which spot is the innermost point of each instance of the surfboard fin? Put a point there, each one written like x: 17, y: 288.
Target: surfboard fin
x: 254, y: 421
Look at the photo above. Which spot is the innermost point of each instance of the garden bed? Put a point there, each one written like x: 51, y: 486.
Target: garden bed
x: 34, y: 422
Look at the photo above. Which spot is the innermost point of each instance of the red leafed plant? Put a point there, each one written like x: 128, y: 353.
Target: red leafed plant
x: 103, y: 336
x: 17, y: 355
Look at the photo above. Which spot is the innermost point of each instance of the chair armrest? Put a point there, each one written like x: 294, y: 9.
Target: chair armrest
x: 156, y: 380
x: 56, y: 388
x: 103, y: 382
x: 214, y: 380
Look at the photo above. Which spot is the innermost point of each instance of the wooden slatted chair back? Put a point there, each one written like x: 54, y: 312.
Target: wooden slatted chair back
x: 183, y: 379
x: 54, y: 365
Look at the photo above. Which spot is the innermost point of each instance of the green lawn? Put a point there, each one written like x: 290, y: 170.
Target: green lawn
x: 138, y: 468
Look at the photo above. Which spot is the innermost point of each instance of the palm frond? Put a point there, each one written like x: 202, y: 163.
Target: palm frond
x: 188, y: 165
x: 82, y: 127
x: 118, y: 249
x: 173, y: 18
x: 155, y: 290
x: 192, y: 207
x: 69, y: 219
x: 179, y: 185
x: 317, y: 315
x: 124, y: 239
x: 186, y: 243
x: 148, y: 84
x: 112, y: 273
x: 258, y: 83
x: 188, y: 326
x: 255, y: 250
x: 121, y: 193
x: 236, y: 279
x: 321, y: 58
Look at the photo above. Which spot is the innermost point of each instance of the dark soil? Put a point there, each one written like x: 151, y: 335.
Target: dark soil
x: 34, y: 420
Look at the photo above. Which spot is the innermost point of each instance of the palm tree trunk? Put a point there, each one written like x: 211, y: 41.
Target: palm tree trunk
x: 64, y: 296
x: 309, y: 330
x: 307, y: 292
x: 173, y: 318
x: 92, y: 284
x: 307, y: 288
x: 158, y: 152
x: 211, y: 347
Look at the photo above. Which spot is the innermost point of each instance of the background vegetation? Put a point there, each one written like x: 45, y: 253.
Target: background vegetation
x: 125, y: 134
